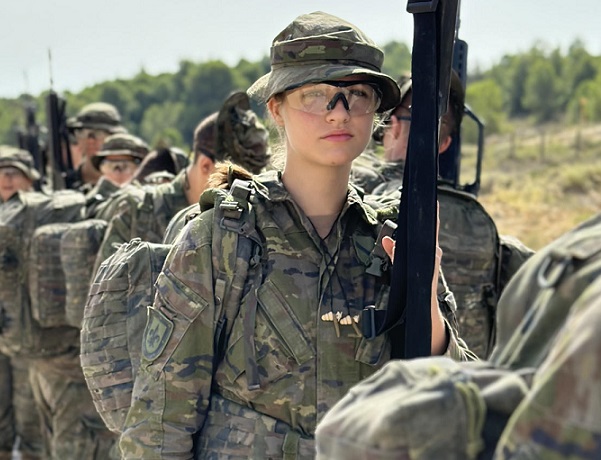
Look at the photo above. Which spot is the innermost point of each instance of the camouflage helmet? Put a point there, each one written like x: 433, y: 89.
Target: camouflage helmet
x: 121, y: 144
x: 98, y: 115
x: 317, y: 47
x: 20, y: 159
x: 241, y: 137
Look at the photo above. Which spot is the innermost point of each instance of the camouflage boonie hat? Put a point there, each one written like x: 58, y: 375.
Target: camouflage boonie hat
x: 241, y: 137
x: 98, y: 115
x: 20, y: 159
x: 317, y: 47
x: 121, y: 144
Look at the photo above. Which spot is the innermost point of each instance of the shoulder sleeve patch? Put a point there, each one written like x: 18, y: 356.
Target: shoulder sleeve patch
x: 156, y: 334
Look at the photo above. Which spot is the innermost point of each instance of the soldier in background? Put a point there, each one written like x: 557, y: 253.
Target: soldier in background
x: 17, y: 171
x: 18, y: 416
x: 91, y: 126
x: 118, y: 160
x: 234, y: 133
x: 477, y: 262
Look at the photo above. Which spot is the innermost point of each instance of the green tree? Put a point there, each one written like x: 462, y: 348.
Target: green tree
x: 485, y: 97
x: 160, y: 124
x: 543, y: 95
x: 397, y: 59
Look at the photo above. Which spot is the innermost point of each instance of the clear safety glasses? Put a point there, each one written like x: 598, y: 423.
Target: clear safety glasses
x: 357, y: 97
x: 118, y: 166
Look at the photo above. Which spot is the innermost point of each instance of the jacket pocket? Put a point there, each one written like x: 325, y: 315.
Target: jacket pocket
x: 281, y: 343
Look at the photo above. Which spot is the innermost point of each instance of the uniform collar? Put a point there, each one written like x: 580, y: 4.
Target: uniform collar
x: 269, y: 187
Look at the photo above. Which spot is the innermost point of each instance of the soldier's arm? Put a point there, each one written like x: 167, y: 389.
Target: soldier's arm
x: 172, y: 391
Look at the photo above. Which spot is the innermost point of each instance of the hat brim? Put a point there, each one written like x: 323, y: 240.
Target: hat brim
x: 280, y: 79
x: 30, y: 173
x: 111, y: 129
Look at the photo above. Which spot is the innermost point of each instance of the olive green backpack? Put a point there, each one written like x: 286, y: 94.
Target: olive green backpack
x: 79, y: 246
x: 471, y: 263
x: 23, y: 331
x: 124, y: 287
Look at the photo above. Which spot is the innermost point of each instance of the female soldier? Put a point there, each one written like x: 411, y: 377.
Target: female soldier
x: 292, y: 348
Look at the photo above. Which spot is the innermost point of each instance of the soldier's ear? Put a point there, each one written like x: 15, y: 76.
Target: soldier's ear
x: 274, y: 105
x: 444, y: 144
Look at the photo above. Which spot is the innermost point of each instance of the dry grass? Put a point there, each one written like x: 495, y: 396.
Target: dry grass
x: 537, y: 186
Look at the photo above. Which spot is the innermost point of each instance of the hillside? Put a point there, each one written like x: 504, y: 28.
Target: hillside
x: 538, y: 183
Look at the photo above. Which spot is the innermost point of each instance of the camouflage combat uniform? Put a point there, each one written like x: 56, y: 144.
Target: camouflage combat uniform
x: 141, y: 213
x: 302, y: 366
x: 7, y: 420
x: 18, y: 416
x: 71, y: 427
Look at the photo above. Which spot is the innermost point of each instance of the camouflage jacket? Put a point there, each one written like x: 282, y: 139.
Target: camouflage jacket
x: 376, y: 176
x: 141, y: 212
x: 99, y: 197
x: 306, y: 362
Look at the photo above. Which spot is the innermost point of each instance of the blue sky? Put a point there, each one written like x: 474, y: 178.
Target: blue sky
x: 93, y: 41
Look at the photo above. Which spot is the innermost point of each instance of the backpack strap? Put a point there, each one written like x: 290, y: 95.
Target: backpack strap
x: 144, y: 216
x: 234, y: 217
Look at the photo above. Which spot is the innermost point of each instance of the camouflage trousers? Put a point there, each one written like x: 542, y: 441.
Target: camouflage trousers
x: 71, y: 427
x: 235, y: 432
x: 18, y: 416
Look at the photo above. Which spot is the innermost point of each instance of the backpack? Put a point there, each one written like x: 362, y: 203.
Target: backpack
x: 124, y: 286
x: 78, y: 249
x: 47, y: 290
x: 113, y: 322
x: 471, y: 262
x: 423, y: 409
x: 20, y: 332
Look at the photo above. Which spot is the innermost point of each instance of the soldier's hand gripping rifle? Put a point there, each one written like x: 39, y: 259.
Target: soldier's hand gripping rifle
x: 408, y: 316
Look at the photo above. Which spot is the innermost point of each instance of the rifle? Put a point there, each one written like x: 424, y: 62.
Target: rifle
x: 58, y: 139
x: 29, y: 139
x: 449, y: 164
x: 408, y: 316
x: 60, y: 158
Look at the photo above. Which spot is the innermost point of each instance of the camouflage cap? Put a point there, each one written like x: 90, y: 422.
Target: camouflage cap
x: 20, y: 159
x: 121, y: 144
x: 241, y: 137
x: 317, y: 47
x: 98, y: 115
